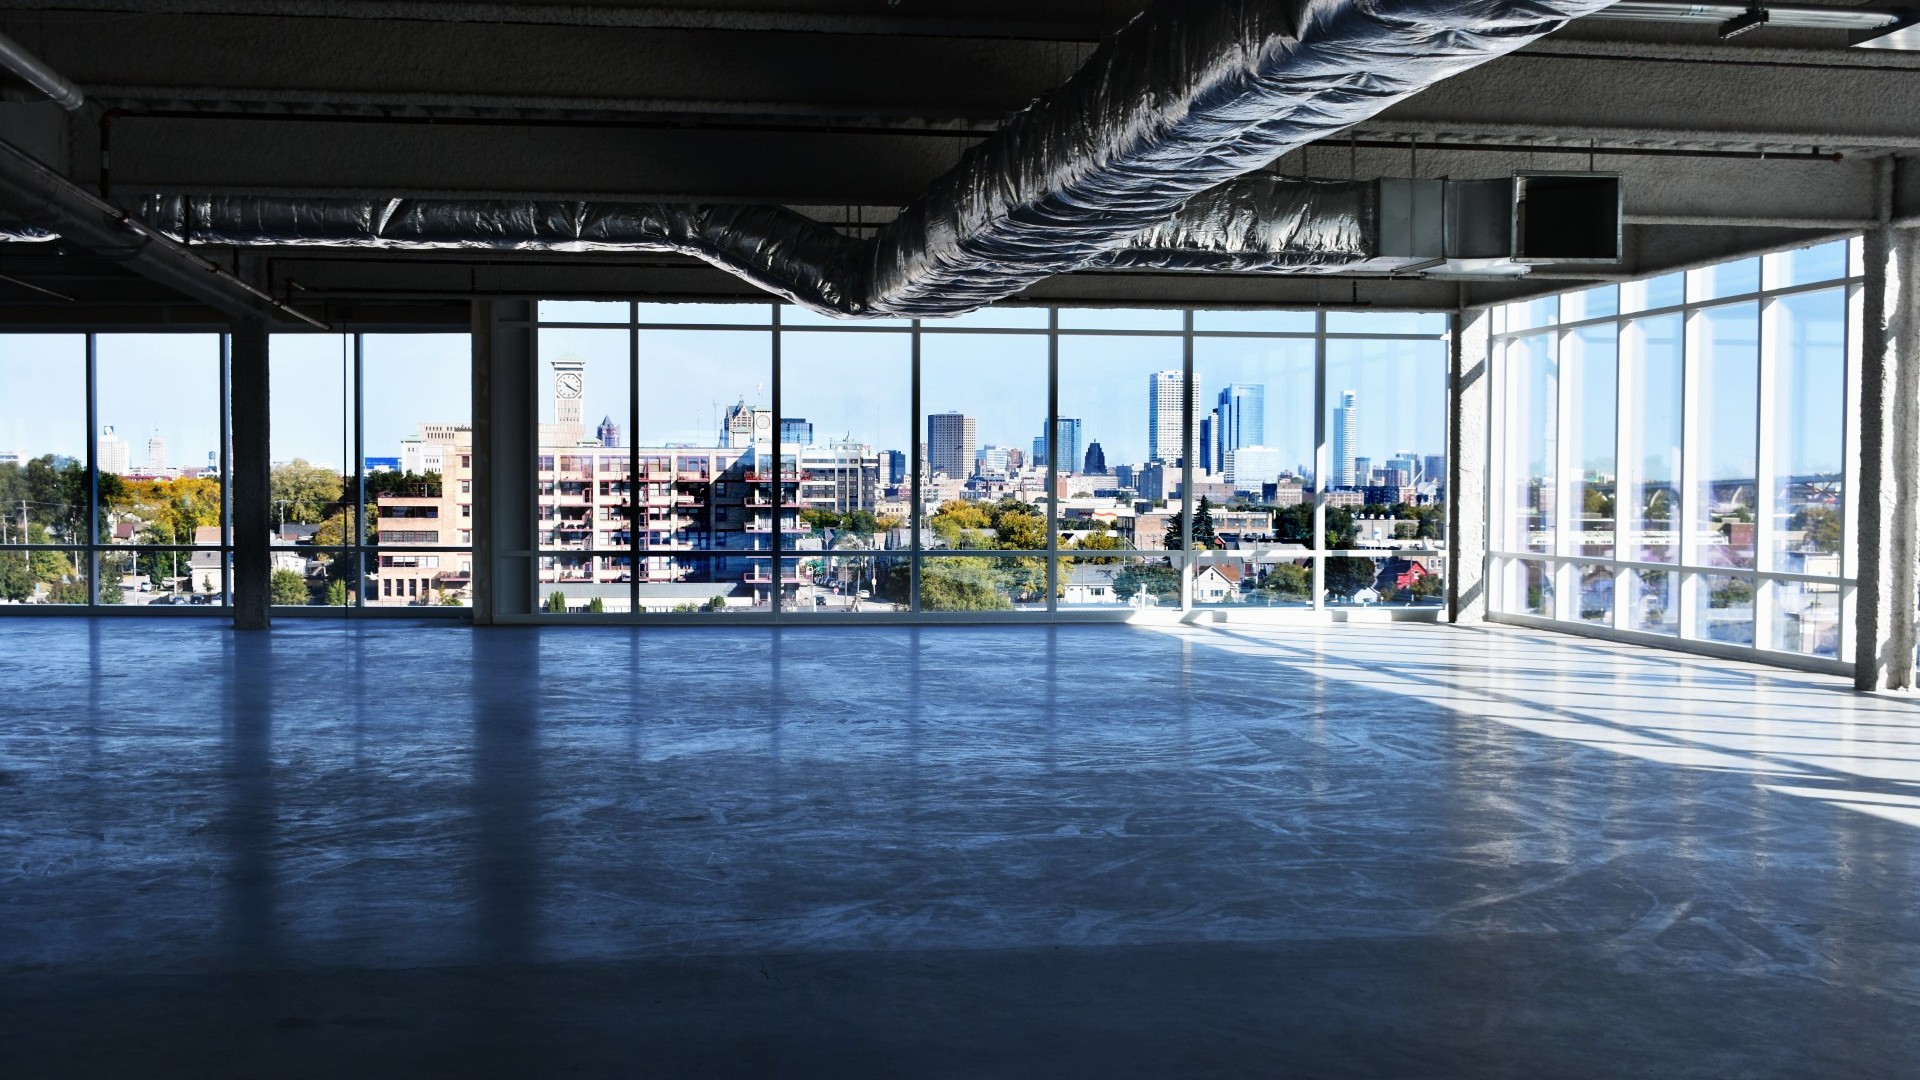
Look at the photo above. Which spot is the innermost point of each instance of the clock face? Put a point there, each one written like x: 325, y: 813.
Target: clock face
x: 762, y: 421
x: 570, y: 384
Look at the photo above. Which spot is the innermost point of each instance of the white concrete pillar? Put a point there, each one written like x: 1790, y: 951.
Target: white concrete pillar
x: 1469, y: 375
x: 1887, y: 539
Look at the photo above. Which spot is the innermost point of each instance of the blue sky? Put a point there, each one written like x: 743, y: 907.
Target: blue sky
x: 846, y: 384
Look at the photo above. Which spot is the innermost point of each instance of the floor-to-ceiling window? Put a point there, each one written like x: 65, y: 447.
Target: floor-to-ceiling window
x: 1672, y: 456
x: 371, y: 447
x: 713, y: 459
x: 112, y: 459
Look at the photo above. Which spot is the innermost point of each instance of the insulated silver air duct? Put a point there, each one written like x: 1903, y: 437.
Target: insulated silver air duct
x: 1256, y: 224
x: 1189, y: 96
x: 1185, y: 98
x: 772, y: 247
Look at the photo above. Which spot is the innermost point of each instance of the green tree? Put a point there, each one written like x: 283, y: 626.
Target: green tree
x: 113, y: 567
x: 1161, y: 581
x: 337, y: 594
x: 303, y: 492
x: 716, y: 603
x: 1820, y: 528
x: 1203, y: 536
x: 1289, y: 581
x: 288, y: 588
x: 53, y: 491
x: 16, y: 577
x: 1347, y: 575
x: 1019, y: 531
x: 333, y: 531
x: 962, y: 524
x: 1096, y: 538
x: 962, y: 584
x: 596, y: 606
x: 1737, y: 592
x: 556, y: 603
x: 376, y: 484
x: 1430, y: 521
x: 1294, y: 524
x: 448, y: 599
x: 1341, y: 531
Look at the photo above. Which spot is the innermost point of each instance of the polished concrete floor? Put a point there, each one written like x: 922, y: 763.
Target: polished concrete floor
x: 418, y: 850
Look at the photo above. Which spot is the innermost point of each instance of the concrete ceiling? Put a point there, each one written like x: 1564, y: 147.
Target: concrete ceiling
x: 845, y: 109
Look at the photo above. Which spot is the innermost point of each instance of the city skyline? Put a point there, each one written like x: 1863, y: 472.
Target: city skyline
x: 691, y: 378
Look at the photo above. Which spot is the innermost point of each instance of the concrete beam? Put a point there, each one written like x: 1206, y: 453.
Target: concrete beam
x: 1469, y: 378
x: 349, y: 158
x: 250, y: 484
x: 1564, y: 94
x: 167, y: 58
x: 1089, y: 21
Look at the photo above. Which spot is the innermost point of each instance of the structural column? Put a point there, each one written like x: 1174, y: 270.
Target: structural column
x: 503, y: 427
x: 250, y: 482
x: 1887, y: 538
x: 1469, y: 375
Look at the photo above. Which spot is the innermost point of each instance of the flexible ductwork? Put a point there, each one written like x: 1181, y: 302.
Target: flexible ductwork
x: 1261, y: 224
x: 1256, y: 224
x: 770, y: 246
x: 1188, y: 97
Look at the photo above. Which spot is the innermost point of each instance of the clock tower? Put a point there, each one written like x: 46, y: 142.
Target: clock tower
x: 569, y: 387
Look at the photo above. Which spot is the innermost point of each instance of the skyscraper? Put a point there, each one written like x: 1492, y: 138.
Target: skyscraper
x: 608, y: 433
x: 993, y: 461
x: 156, y: 453
x: 1345, y: 419
x: 1066, y: 435
x: 896, y: 466
x: 1213, y: 448
x: 1248, y: 467
x: 1095, y: 463
x: 1243, y: 416
x: 796, y: 429
x: 1163, y: 415
x: 115, y: 455
x: 950, y: 444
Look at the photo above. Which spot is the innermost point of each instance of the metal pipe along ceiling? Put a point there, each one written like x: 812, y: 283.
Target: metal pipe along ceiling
x: 1187, y: 97
x: 38, y: 75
